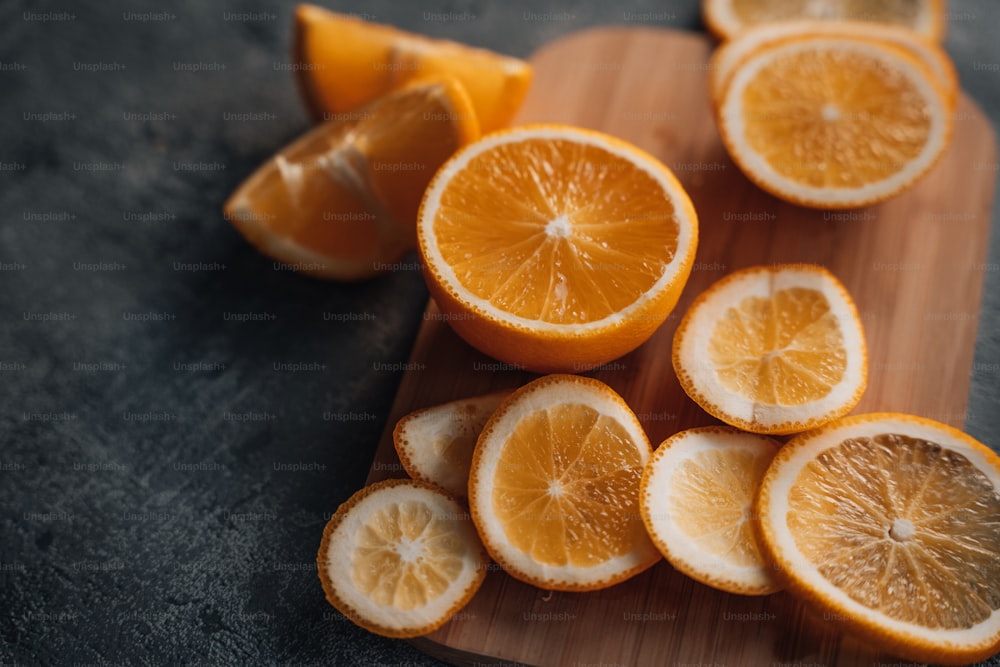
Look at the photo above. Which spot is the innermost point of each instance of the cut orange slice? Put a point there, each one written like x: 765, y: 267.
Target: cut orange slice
x: 341, y: 202
x: 399, y: 558
x: 556, y: 248
x: 890, y: 524
x: 346, y: 62
x: 435, y: 444
x: 696, y: 499
x: 834, y: 122
x: 730, y: 54
x: 773, y: 349
x: 728, y: 18
x: 554, y: 486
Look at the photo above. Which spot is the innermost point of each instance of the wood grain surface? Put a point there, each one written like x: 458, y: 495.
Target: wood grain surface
x: 914, y: 266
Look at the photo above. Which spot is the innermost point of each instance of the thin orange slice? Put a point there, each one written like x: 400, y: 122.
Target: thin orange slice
x: 773, y: 349
x: 554, y: 486
x: 729, y: 18
x: 399, y: 558
x: 696, y: 499
x: 341, y: 202
x: 834, y: 121
x: 556, y: 248
x: 346, y: 62
x: 435, y: 444
x: 890, y: 524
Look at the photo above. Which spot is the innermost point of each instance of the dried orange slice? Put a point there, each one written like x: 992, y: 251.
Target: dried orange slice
x: 556, y: 248
x: 773, y: 349
x: 728, y: 18
x: 730, y: 54
x: 554, y: 486
x: 891, y: 524
x: 834, y: 121
x: 341, y: 202
x: 696, y: 499
x: 435, y: 444
x: 400, y: 557
x: 345, y: 62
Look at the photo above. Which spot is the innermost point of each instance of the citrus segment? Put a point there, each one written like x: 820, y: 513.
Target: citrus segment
x: 892, y: 524
x: 399, y: 558
x: 346, y: 62
x: 435, y: 444
x: 773, y: 349
x: 833, y: 122
x: 696, y: 500
x: 728, y: 18
x: 341, y: 201
x: 729, y: 55
x: 554, y: 485
x: 556, y: 248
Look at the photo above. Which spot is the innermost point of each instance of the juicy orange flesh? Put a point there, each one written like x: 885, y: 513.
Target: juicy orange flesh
x: 356, y: 61
x: 785, y: 349
x: 944, y: 575
x: 711, y: 496
x: 555, y: 230
x: 902, y: 12
x: 566, y: 487
x: 354, y: 186
x: 406, y: 556
x: 835, y: 118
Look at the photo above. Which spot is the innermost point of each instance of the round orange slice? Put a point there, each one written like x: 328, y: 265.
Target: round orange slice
x: 555, y: 248
x: 554, y: 486
x: 341, y: 202
x: 890, y: 524
x: 728, y: 18
x: 834, y: 121
x: 773, y: 349
x: 435, y: 444
x: 400, y: 557
x: 696, y: 499
x: 345, y: 62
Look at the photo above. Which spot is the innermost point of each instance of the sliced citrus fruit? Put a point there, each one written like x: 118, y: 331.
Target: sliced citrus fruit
x: 728, y: 18
x: 773, y: 349
x: 554, y: 485
x: 891, y: 524
x: 696, y: 499
x: 346, y: 62
x: 435, y: 444
x: 730, y: 54
x: 556, y: 248
x: 400, y: 557
x: 834, y: 121
x: 341, y: 202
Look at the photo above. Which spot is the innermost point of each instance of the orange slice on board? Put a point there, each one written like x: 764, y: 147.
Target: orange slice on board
x: 890, y: 524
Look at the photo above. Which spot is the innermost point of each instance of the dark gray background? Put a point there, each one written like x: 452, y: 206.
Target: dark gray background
x: 141, y: 523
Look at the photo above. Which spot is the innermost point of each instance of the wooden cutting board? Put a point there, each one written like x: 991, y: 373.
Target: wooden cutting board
x: 914, y: 266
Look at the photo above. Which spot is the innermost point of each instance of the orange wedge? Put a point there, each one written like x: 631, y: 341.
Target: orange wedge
x: 890, y: 524
x: 554, y: 486
x: 834, y: 122
x: 346, y: 62
x: 554, y: 248
x: 773, y: 349
x: 435, y: 444
x: 341, y: 202
x: 729, y: 18
x: 399, y: 558
x: 729, y: 55
x: 696, y: 500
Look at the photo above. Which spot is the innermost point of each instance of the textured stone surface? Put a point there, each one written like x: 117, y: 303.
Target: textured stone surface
x: 164, y: 479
